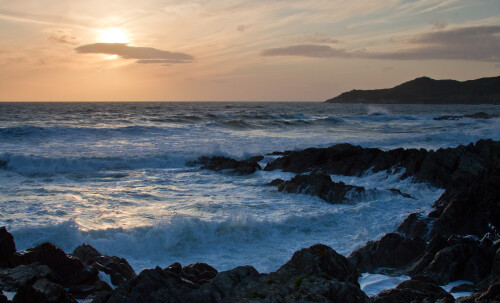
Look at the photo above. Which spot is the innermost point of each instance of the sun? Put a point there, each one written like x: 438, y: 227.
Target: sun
x: 113, y: 35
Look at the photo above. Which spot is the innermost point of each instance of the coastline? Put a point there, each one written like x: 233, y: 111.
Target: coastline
x: 433, y: 249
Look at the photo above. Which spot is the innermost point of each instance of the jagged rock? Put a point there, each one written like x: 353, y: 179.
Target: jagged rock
x: 27, y: 294
x: 416, y: 290
x: 314, y: 274
x: 399, y: 192
x: 455, y: 258
x: 415, y: 226
x: 69, y: 269
x: 53, y: 292
x: 117, y: 268
x: 479, y: 115
x: 13, y: 278
x: 441, y: 168
x: 321, y: 185
x: 173, y: 284
x: 319, y: 259
x: 492, y: 295
x: 3, y: 298
x: 83, y: 291
x: 219, y: 163
x: 393, y: 251
x: 468, y: 209
x: 317, y: 274
x: 7, y: 246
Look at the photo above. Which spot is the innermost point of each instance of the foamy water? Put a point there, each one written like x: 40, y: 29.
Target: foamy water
x: 115, y: 176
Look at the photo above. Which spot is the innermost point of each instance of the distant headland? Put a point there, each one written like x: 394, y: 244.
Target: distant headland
x: 425, y: 90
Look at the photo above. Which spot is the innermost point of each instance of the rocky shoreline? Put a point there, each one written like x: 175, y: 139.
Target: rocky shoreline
x: 458, y: 240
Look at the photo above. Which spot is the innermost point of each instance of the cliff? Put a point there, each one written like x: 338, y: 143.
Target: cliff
x: 425, y: 90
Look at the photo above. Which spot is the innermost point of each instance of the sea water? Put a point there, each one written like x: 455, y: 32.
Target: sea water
x: 117, y: 176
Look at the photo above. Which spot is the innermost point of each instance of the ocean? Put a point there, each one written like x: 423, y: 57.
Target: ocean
x: 118, y: 176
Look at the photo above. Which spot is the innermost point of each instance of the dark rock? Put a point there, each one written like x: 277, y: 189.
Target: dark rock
x: 317, y: 289
x: 157, y: 285
x: 399, y: 192
x: 3, y: 164
x: 7, y: 246
x: 468, y: 209
x: 448, y: 118
x: 481, y: 115
x: 392, y: 251
x: 219, y: 163
x: 415, y: 226
x: 418, y: 290
x: 83, y: 291
x: 318, y: 259
x: 27, y: 294
x: 425, y: 90
x: 457, y: 258
x: 315, y: 274
x: 463, y: 288
x: 441, y: 168
x: 321, y: 185
x: 276, y: 182
x: 3, y: 298
x: 53, y: 292
x: 13, y: 278
x: 117, y: 268
x: 69, y: 269
x: 492, y: 295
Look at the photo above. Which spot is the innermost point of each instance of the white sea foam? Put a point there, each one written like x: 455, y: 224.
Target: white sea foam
x: 373, y: 284
x: 115, y: 176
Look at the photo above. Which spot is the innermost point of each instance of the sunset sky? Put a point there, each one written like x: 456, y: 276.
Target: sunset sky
x: 232, y: 50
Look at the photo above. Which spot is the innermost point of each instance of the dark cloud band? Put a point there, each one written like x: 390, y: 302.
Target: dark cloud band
x: 479, y: 43
x: 133, y: 52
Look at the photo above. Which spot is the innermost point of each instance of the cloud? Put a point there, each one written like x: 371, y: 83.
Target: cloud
x: 160, y: 61
x: 307, y: 50
x: 133, y: 52
x: 438, y: 25
x: 241, y: 28
x: 64, y: 36
x: 318, y: 38
x: 479, y: 43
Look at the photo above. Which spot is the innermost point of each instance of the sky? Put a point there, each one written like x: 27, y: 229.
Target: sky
x: 237, y: 50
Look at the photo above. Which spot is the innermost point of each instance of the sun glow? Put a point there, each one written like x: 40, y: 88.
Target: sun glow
x: 113, y: 35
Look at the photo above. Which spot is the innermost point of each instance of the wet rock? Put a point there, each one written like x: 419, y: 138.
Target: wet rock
x: 321, y: 185
x: 441, y: 168
x: 468, y: 209
x: 319, y: 259
x: 117, y: 268
x: 418, y: 290
x: 69, y: 269
x: 314, y: 274
x: 83, y: 291
x: 3, y: 164
x: 492, y: 295
x: 7, y: 246
x: 415, y: 226
x: 392, y: 251
x: 27, y: 294
x: 13, y: 278
x: 455, y: 258
x: 481, y: 115
x: 53, y: 292
x: 219, y: 163
x: 449, y: 117
x: 399, y: 192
